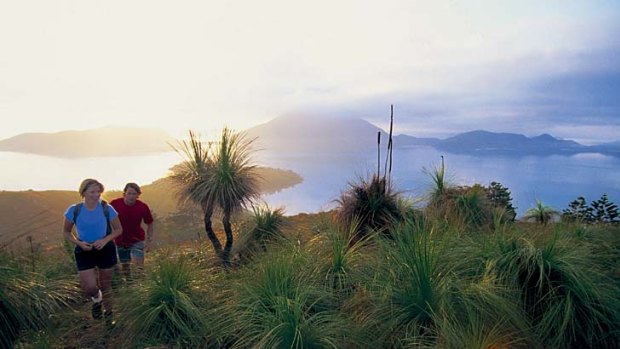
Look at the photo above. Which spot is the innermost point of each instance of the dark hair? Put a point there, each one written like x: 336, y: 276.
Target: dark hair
x: 87, y: 183
x: 133, y: 186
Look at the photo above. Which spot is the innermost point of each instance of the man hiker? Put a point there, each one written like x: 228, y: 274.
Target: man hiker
x: 134, y: 242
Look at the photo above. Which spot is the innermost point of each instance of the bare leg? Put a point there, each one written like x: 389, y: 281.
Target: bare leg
x: 88, y: 282
x: 105, y: 281
x: 139, y: 265
x: 139, y: 261
x: 126, y: 268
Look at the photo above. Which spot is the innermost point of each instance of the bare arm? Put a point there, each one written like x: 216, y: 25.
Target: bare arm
x: 67, y: 231
x: 150, y: 229
x: 117, y: 230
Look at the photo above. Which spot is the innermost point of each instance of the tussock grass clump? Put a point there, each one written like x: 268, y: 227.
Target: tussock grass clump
x: 419, y: 297
x: 168, y: 306
x: 464, y: 209
x: 571, y: 301
x: 28, y: 300
x: 372, y: 204
x: 342, y: 261
x: 473, y: 208
x: 482, y: 312
x: 410, y: 285
x: 264, y: 227
x: 280, y: 306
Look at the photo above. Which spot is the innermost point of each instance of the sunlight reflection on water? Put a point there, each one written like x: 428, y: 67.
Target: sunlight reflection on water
x: 556, y: 179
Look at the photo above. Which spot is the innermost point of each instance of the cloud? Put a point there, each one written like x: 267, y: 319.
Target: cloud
x: 448, y: 66
x: 575, y: 103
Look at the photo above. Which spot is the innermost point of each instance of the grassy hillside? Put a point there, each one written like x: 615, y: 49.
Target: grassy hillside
x: 429, y: 285
x: 376, y: 272
x: 38, y: 214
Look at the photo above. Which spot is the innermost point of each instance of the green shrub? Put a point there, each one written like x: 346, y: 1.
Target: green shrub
x: 28, y: 300
x: 264, y: 227
x: 434, y: 289
x: 372, y: 204
x: 570, y: 300
x: 167, y: 307
x: 409, y: 286
x: 279, y: 306
x: 341, y: 261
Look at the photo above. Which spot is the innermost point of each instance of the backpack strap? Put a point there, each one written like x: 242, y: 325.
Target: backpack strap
x: 76, y: 211
x: 106, y: 213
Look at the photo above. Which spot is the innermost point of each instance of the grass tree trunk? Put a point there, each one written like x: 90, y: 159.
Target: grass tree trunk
x: 217, y: 246
x: 229, y: 239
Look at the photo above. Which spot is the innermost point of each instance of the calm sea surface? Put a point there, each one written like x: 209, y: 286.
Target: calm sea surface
x: 555, y: 180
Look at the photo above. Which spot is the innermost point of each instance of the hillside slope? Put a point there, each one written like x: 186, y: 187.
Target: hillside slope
x: 38, y: 214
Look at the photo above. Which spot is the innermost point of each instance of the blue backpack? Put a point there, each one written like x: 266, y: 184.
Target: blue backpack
x: 106, y: 213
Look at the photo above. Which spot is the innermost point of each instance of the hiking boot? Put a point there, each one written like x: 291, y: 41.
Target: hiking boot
x: 97, y: 310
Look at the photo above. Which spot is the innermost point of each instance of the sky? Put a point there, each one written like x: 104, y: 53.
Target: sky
x: 528, y: 67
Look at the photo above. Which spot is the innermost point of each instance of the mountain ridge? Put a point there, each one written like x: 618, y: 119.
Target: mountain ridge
x: 300, y: 134
x: 358, y: 134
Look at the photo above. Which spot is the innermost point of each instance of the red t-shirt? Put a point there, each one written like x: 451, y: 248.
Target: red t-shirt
x: 131, y: 220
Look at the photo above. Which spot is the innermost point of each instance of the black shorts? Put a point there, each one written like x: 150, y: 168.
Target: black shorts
x: 104, y: 258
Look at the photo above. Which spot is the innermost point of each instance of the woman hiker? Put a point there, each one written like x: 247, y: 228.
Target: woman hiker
x: 97, y: 225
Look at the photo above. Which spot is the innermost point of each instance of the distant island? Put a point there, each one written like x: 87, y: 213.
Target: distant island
x: 100, y: 142
x: 299, y: 134
x: 307, y: 133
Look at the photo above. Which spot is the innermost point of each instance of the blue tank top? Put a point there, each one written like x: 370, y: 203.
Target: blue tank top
x: 91, y: 225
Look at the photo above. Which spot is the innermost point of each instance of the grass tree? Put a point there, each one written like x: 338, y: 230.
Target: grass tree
x: 541, y: 213
x: 440, y: 182
x: 370, y: 205
x: 234, y: 183
x: 193, y: 177
x: 219, y: 176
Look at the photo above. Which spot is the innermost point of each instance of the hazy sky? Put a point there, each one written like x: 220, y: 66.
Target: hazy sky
x: 530, y: 67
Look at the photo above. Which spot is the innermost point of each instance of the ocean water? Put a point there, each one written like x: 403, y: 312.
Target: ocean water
x: 27, y: 171
x: 555, y: 180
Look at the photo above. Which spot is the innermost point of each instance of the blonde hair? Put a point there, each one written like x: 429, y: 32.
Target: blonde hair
x: 87, y: 183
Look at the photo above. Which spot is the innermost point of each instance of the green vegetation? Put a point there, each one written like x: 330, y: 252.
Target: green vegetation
x: 169, y: 306
x: 468, y: 207
x: 264, y: 228
x: 218, y: 176
x: 375, y: 272
x: 541, y: 213
x: 369, y: 206
x: 28, y: 299
x: 599, y: 211
x: 425, y: 284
